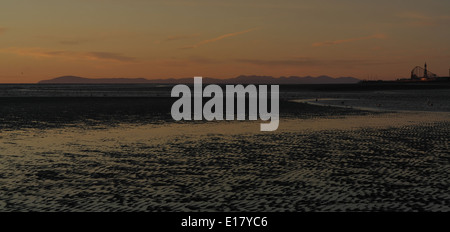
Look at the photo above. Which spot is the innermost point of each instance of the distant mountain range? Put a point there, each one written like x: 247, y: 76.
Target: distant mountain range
x: 206, y: 80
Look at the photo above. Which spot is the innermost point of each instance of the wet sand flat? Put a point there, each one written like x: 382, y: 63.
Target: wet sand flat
x: 343, y: 162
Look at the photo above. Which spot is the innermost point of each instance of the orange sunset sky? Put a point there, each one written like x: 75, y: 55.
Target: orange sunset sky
x: 381, y: 39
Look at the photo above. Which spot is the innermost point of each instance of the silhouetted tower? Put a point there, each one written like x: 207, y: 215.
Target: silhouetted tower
x: 425, y: 73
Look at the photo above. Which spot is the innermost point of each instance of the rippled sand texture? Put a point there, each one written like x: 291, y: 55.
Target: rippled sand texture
x: 394, y: 162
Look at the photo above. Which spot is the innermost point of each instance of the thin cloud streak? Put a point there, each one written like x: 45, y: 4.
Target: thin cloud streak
x: 218, y: 38
x: 419, y: 19
x: 69, y: 40
x: 176, y: 38
x: 110, y: 56
x: 335, y: 42
x: 41, y: 53
x: 74, y: 41
x: 307, y: 61
x: 180, y: 37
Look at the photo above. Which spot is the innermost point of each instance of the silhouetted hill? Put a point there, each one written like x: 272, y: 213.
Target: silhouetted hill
x: 206, y: 80
x: 83, y: 80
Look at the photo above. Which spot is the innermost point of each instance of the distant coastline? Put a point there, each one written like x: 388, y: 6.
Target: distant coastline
x: 206, y: 80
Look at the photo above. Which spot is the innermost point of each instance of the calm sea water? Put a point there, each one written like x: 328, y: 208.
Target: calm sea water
x: 410, y: 100
x: 394, y: 100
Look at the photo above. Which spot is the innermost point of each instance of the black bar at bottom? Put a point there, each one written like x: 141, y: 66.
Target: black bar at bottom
x: 221, y: 221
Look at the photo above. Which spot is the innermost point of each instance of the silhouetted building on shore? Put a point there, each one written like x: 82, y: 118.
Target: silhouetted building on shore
x: 418, y: 75
x: 422, y: 74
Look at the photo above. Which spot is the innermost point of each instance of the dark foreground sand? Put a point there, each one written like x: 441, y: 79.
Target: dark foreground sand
x: 321, y: 159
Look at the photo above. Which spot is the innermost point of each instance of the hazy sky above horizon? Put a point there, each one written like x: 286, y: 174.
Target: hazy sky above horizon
x: 381, y: 39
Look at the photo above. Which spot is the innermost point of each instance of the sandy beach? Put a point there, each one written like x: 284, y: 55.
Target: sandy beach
x: 320, y: 159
